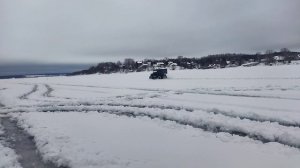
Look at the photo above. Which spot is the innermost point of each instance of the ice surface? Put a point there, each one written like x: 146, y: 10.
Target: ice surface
x: 234, y: 117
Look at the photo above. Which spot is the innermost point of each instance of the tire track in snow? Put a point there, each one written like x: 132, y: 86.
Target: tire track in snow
x: 117, y: 88
x: 191, y: 92
x: 25, y: 96
x: 24, y: 146
x: 232, y: 114
x: 235, y: 95
x: 208, y: 122
x: 254, y: 117
x: 2, y: 105
x: 153, y: 106
x: 208, y: 127
x: 250, y: 115
x: 85, y: 106
x: 48, y: 92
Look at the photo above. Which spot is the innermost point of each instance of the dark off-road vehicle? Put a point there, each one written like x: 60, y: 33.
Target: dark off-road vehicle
x: 159, y: 74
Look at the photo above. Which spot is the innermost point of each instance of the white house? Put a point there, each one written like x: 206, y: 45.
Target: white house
x: 279, y: 58
x: 159, y: 65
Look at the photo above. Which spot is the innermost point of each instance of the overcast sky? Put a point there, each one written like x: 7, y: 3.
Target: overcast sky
x: 89, y: 31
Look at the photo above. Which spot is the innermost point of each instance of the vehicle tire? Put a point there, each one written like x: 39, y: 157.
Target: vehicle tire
x: 159, y: 77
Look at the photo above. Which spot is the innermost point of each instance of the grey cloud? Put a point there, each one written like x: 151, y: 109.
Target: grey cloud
x: 76, y: 31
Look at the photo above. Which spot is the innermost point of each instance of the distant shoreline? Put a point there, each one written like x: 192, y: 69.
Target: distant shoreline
x: 25, y: 70
x: 33, y: 75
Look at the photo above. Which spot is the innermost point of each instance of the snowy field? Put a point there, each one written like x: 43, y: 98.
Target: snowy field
x: 229, y: 118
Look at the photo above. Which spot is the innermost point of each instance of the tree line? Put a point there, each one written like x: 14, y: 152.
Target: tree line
x: 220, y: 60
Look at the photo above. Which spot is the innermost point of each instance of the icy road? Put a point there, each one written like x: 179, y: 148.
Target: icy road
x: 229, y: 118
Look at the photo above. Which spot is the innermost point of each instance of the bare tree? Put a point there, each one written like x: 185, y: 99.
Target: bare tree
x: 286, y: 53
x: 258, y: 57
x: 284, y: 50
x: 268, y: 52
x: 129, y: 63
x: 269, y: 57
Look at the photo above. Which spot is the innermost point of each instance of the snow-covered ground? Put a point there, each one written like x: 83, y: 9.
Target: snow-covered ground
x: 234, y: 117
x: 8, y: 158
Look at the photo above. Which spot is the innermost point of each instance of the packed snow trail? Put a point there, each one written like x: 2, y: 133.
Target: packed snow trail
x: 216, y: 128
x: 193, y: 91
x: 8, y: 157
x: 206, y: 121
x: 233, y: 114
x: 253, y: 117
x: 48, y: 92
x: 24, y: 146
x: 25, y: 96
x: 117, y: 141
x: 218, y: 93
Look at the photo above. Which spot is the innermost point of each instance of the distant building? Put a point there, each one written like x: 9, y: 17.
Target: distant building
x: 142, y: 67
x: 159, y: 65
x: 250, y: 64
x: 264, y: 60
x: 172, y: 66
x: 139, y: 63
x: 279, y: 59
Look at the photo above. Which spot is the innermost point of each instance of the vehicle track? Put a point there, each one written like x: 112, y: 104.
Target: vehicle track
x: 190, y: 92
x: 85, y: 106
x: 25, y: 96
x: 207, y: 122
x: 207, y: 127
x: 24, y: 146
x: 251, y: 117
x: 254, y: 117
x: 136, y: 110
x: 162, y: 107
x: 117, y: 88
x: 48, y: 92
x: 236, y: 95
